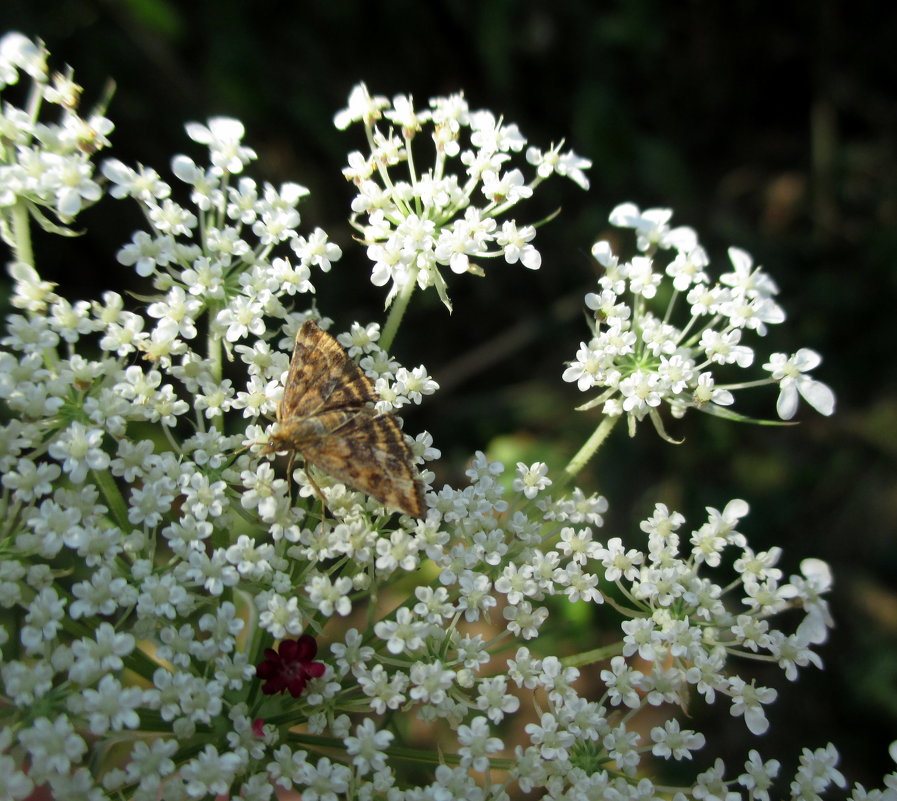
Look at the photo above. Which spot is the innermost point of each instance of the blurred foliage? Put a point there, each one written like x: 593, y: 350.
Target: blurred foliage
x: 774, y: 129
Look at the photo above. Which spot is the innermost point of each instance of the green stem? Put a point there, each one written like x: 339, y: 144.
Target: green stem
x: 171, y: 440
x: 113, y: 497
x: 391, y: 327
x: 215, y: 355
x: 22, y: 234
x: 10, y: 516
x: 213, y: 345
x: 142, y: 663
x: 404, y: 753
x: 588, y: 450
x: 593, y: 656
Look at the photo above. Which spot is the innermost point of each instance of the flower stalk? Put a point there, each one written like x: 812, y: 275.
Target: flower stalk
x: 590, y: 447
x: 397, y: 312
x: 21, y: 233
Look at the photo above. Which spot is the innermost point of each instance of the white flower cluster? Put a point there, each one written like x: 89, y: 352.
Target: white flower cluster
x: 395, y: 385
x: 492, y: 561
x: 45, y: 166
x: 148, y: 568
x: 233, y: 270
x: 639, y: 358
x: 437, y: 217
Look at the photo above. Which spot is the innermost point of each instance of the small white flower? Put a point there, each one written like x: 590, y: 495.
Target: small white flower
x: 172, y: 219
x: 650, y: 225
x: 242, y: 317
x: 43, y: 620
x: 430, y: 682
x: 221, y: 628
x: 31, y: 292
x: 759, y: 775
x: 329, y: 596
x: 587, y: 369
x: 210, y: 773
x: 475, y: 598
x: 687, y: 269
x: 515, y: 243
x: 641, y: 391
x: 75, y: 187
x: 101, y: 595
x: 748, y: 700
x: 551, y: 739
x: 710, y: 785
x: 745, y: 280
x: 790, y: 372
x: 642, y: 278
x: 531, y: 479
x: 621, y: 681
x: 176, y: 314
x: 29, y: 480
x: 79, y: 449
x: 404, y: 634
x: 367, y: 747
x: 213, y: 573
x: 476, y: 743
x: 507, y: 188
x: 524, y: 621
x: 110, y: 707
x: 53, y: 747
x: 362, y: 107
x: 143, y: 184
x: 622, y: 747
x: 573, y: 167
x: 705, y: 392
x: 817, y: 771
x: 150, y: 501
x: 18, y: 52
x: 223, y: 136
x: 808, y: 589
x: 414, y: 384
x: 316, y: 250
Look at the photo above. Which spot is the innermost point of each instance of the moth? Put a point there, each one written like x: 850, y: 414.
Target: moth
x: 326, y: 416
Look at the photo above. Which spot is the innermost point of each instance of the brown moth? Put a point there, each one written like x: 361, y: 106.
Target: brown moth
x: 325, y: 415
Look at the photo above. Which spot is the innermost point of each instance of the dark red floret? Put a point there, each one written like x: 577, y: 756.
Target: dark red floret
x: 289, y: 668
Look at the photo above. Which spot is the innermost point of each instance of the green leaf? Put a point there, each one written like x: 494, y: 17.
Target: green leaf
x: 442, y: 290
x: 48, y: 225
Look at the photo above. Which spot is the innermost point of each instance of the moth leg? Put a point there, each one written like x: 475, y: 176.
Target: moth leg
x: 311, y: 481
x: 290, y: 460
x: 318, y: 492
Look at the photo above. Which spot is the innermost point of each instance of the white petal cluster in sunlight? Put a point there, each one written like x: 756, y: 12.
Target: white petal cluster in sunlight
x: 445, y: 211
x: 666, y: 334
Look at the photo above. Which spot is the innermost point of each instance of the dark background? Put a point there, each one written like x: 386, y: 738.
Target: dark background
x: 772, y: 129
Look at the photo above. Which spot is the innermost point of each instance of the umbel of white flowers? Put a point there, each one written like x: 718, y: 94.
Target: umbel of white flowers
x: 178, y: 625
x: 663, y: 331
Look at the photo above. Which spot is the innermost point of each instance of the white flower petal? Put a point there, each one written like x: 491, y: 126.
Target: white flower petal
x: 806, y: 359
x: 786, y: 405
x: 818, y: 395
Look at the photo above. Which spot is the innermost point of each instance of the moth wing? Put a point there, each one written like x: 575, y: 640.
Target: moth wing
x: 347, y: 387
x: 322, y: 376
x: 369, y: 453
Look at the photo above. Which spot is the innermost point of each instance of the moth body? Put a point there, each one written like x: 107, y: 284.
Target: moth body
x: 326, y: 415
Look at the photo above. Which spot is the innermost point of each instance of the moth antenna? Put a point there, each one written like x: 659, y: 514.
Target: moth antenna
x: 236, y: 453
